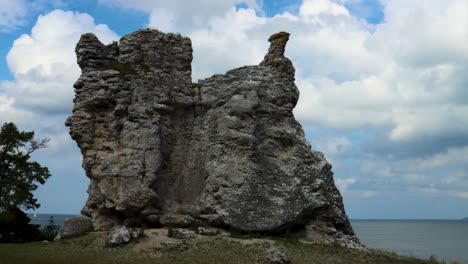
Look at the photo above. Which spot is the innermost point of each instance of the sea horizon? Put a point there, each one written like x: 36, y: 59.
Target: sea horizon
x: 351, y: 219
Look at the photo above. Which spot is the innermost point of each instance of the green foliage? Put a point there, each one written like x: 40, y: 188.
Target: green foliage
x: 15, y: 226
x: 19, y: 177
x: 50, y: 231
x: 195, y: 90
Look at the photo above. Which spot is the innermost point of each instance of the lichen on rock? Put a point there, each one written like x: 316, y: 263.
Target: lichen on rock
x: 224, y: 152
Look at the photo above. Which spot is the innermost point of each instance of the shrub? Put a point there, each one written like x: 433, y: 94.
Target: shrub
x: 50, y: 231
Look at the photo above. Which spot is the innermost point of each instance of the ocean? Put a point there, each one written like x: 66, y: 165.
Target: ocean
x: 43, y: 219
x: 445, y: 239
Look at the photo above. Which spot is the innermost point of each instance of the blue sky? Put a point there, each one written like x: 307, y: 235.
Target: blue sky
x: 383, y: 86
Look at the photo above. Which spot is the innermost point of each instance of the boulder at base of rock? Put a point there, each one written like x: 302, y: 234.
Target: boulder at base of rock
x: 76, y: 225
x: 118, y: 235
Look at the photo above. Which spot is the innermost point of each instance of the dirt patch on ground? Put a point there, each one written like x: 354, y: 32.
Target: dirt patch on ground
x: 158, y: 239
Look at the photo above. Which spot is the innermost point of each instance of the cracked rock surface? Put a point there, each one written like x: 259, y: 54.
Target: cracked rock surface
x: 225, y: 152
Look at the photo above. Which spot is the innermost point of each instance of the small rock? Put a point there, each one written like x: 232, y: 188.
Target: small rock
x: 136, y: 233
x: 76, y: 225
x: 207, y: 231
x: 180, y: 233
x: 118, y: 235
x: 170, y: 244
x: 45, y: 241
x: 58, y: 236
x: 276, y: 255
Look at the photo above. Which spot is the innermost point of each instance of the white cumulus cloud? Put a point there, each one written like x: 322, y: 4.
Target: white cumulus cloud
x: 43, y: 63
x: 453, y: 156
x: 335, y: 146
x: 12, y: 14
x: 316, y: 7
x: 344, y: 184
x: 463, y: 195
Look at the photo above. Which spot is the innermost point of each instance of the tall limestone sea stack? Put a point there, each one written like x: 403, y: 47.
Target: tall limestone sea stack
x: 226, y: 151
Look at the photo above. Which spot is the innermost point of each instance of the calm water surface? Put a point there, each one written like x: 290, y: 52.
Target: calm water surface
x: 43, y: 219
x: 445, y: 239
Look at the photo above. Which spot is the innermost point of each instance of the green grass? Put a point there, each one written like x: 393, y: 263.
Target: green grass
x: 90, y: 249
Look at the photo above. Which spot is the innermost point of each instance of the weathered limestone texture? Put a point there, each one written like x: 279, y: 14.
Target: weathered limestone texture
x: 76, y: 225
x: 225, y: 152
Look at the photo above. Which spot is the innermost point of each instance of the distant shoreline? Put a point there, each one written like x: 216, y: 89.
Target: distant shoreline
x: 351, y: 219
x: 464, y: 219
x: 31, y: 215
x: 50, y: 214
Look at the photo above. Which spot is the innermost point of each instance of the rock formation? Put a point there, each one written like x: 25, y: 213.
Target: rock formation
x: 76, y: 225
x: 225, y: 152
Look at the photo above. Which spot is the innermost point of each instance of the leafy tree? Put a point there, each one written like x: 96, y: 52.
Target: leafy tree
x: 19, y: 177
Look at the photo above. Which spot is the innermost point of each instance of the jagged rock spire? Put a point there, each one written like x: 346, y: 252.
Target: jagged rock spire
x: 275, y: 56
x: 278, y: 43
